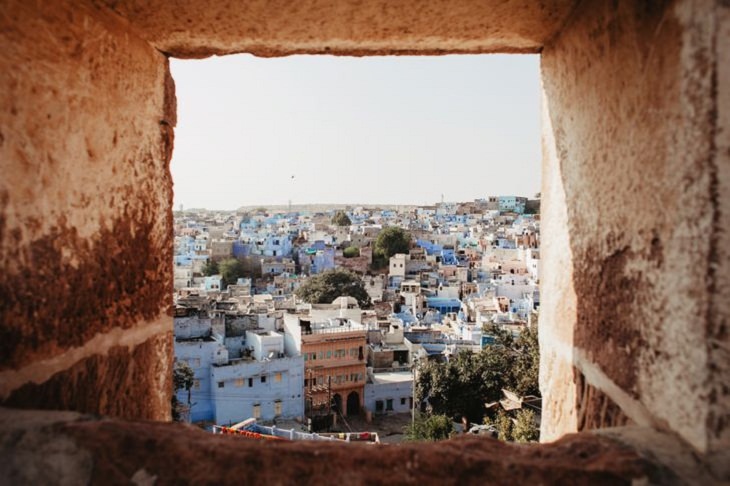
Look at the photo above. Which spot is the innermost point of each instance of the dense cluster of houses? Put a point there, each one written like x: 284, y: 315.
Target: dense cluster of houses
x: 259, y: 352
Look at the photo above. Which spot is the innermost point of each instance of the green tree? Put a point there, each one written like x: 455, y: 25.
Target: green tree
x: 341, y: 219
x: 231, y: 270
x: 392, y: 240
x: 465, y: 383
x: 502, y: 337
x: 183, y: 378
x: 429, y: 428
x: 468, y: 380
x: 327, y: 286
x: 526, y: 367
x: 504, y: 426
x: 525, y: 427
x: 351, y: 252
x: 211, y: 268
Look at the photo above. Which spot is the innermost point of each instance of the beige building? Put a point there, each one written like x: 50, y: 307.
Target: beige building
x: 334, y: 362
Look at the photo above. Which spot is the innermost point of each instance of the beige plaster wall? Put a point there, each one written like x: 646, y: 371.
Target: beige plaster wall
x: 631, y: 117
x: 86, y: 116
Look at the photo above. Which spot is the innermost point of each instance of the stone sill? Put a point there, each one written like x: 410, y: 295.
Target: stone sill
x: 48, y: 447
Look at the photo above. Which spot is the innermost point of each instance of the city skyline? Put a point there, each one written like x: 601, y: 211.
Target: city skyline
x: 338, y: 130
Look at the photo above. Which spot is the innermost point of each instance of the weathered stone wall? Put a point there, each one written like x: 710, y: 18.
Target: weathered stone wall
x: 351, y: 27
x: 635, y: 284
x: 718, y: 343
x: 636, y: 197
x: 86, y: 117
x: 65, y: 448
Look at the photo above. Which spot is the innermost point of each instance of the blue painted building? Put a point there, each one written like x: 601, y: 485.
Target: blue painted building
x: 448, y: 256
x: 213, y: 282
x: 316, y: 258
x: 200, y: 354
x: 263, y: 384
x: 265, y: 390
x: 430, y: 247
x: 389, y: 392
x: 277, y: 246
x: 265, y: 244
x: 444, y: 305
x: 512, y: 204
x: 240, y: 249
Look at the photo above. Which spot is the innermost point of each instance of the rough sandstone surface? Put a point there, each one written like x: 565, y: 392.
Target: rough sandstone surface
x: 85, y: 211
x: 80, y: 449
x: 632, y: 106
x: 636, y: 171
x: 109, y: 384
x: 350, y: 27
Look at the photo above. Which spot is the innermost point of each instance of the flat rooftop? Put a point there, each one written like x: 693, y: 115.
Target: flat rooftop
x: 392, y: 377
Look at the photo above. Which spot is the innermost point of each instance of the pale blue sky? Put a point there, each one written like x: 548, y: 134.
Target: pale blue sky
x: 389, y: 130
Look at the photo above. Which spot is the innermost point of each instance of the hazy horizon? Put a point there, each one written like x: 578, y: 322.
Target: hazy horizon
x: 294, y: 206
x: 389, y: 131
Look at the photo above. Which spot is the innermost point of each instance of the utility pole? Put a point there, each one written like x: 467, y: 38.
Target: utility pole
x: 310, y: 396
x: 413, y: 398
x: 329, y: 395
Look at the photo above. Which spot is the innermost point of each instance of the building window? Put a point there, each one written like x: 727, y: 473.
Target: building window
x: 277, y: 408
x: 256, y: 411
x: 239, y: 382
x: 403, y: 400
x: 221, y: 384
x: 277, y: 377
x: 378, y: 406
x: 263, y: 378
x: 196, y: 384
x: 329, y: 354
x: 250, y: 382
x: 389, y: 404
